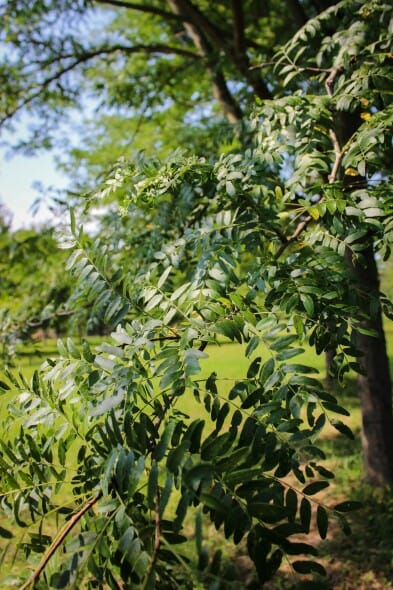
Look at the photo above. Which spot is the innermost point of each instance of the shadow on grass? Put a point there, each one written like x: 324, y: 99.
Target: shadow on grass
x: 365, y: 558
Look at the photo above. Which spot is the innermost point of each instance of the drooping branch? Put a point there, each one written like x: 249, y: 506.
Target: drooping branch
x: 156, y: 48
x: 59, y: 540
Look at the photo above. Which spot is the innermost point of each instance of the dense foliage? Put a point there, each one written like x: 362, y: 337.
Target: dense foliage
x: 252, y: 246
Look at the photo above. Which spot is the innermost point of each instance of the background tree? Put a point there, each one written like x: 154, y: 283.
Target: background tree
x: 204, y: 52
x: 34, y: 288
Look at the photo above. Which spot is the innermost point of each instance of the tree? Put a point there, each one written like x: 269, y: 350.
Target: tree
x: 204, y: 52
x: 262, y: 258
x: 34, y: 289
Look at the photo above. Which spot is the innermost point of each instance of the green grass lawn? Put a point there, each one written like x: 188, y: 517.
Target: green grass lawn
x: 362, y: 561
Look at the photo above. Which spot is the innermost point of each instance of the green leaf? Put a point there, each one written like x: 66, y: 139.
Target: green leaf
x: 342, y: 428
x: 252, y: 346
x: 308, y: 303
x: 291, y: 502
x: 290, y: 353
x: 5, y: 533
x: 164, y: 277
x: 176, y: 456
x: 315, y: 487
x: 266, y: 512
x: 107, y: 404
x: 72, y: 221
x: 152, y: 486
x: 298, y: 548
x: 348, y: 506
x: 267, y: 370
x: 283, y: 342
x: 165, y: 494
x: 164, y: 441
x: 335, y: 408
x: 308, y: 567
x: 87, y: 354
x: 353, y: 211
x: 180, y: 291
x: 198, y: 531
x: 202, y: 472
x: 322, y: 521
x: 154, y: 301
x: 135, y: 476
x: 254, y: 368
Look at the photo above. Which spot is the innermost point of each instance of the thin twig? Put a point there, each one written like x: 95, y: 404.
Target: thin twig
x: 56, y: 314
x: 300, y: 227
x: 164, y: 338
x: 59, y: 540
x: 329, y: 85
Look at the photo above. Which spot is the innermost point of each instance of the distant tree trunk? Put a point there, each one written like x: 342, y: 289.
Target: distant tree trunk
x: 375, y: 387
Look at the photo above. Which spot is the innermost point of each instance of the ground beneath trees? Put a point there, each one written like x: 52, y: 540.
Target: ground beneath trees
x: 360, y: 561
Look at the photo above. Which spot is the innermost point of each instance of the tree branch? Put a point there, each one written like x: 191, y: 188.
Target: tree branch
x: 156, y: 48
x: 198, y: 25
x: 221, y: 34
x: 196, y: 31
x: 192, y: 15
x: 143, y: 8
x: 59, y: 540
x: 41, y: 322
x: 329, y: 85
x: 239, y: 40
x: 202, y: 25
x: 157, y: 538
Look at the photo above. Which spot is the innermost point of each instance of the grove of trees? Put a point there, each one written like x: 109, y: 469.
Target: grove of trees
x: 265, y: 227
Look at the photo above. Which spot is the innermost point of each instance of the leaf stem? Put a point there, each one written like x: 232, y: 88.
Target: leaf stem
x: 59, y: 540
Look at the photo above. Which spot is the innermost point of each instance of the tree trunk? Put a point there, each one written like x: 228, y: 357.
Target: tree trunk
x: 221, y: 91
x: 375, y: 387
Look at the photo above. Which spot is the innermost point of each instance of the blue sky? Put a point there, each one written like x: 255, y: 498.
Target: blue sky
x: 17, y: 176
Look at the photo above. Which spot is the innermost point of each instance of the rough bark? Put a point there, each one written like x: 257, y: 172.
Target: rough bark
x: 375, y: 387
